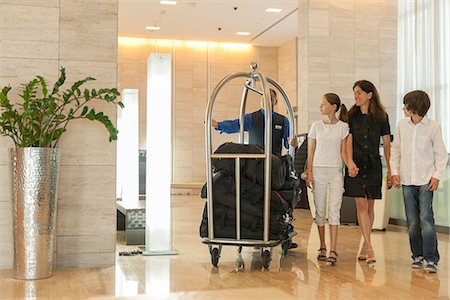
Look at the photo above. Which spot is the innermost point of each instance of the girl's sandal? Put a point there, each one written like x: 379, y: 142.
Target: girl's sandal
x: 320, y: 256
x: 331, y: 260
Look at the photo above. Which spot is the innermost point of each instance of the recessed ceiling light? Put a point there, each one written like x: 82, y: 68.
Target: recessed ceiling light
x: 168, y: 2
x: 152, y: 28
x: 274, y: 10
x: 242, y: 33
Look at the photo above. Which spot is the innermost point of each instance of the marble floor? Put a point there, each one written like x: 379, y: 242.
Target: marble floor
x: 190, y: 275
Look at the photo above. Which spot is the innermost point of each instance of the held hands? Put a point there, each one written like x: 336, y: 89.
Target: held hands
x: 434, y: 184
x: 352, y: 169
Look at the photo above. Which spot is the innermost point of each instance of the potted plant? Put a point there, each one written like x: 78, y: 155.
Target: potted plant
x: 36, y: 124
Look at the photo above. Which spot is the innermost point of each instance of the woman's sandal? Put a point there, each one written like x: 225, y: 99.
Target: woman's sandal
x: 362, y: 256
x: 331, y: 260
x: 370, y: 259
x: 320, y: 256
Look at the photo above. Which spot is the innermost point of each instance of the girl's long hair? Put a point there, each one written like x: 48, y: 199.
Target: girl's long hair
x: 334, y: 99
x: 376, y: 109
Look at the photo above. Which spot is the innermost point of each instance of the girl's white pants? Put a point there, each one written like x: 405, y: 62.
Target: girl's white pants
x: 328, y: 181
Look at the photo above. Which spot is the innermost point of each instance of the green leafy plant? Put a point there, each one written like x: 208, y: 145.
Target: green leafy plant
x: 42, y: 117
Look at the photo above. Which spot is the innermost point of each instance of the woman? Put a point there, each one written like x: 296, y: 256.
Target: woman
x: 368, y: 121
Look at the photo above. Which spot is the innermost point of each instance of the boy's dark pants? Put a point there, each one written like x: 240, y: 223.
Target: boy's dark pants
x: 419, y: 216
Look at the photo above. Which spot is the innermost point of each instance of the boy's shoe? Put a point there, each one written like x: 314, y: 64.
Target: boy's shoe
x: 431, y: 267
x: 293, y: 245
x: 417, y: 263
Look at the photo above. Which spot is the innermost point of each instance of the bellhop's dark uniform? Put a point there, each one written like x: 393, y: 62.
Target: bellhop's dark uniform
x: 256, y: 131
x: 366, y: 133
x: 254, y: 124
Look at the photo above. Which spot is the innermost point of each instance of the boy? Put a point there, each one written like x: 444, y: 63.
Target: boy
x: 418, y: 160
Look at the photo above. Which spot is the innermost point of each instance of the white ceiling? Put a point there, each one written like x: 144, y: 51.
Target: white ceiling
x: 199, y: 20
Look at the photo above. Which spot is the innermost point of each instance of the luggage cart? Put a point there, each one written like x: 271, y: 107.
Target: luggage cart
x: 266, y: 245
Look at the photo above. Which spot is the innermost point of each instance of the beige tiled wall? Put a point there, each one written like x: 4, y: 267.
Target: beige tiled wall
x: 198, y: 68
x: 341, y: 41
x: 287, y: 72
x: 36, y: 38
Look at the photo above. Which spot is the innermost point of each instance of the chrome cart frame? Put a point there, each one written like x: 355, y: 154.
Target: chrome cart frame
x: 250, y: 85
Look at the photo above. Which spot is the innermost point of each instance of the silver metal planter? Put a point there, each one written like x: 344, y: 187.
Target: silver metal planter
x: 35, y: 181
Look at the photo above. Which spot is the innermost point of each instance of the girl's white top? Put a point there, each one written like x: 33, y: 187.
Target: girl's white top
x: 328, y: 143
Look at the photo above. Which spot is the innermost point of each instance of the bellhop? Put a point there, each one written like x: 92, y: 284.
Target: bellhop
x: 322, y: 167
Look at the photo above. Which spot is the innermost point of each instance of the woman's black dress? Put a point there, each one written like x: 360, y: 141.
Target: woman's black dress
x: 366, y: 134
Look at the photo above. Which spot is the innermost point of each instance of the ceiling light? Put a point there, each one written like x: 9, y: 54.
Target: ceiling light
x: 168, y: 2
x: 242, y: 33
x: 231, y: 46
x: 152, y: 28
x: 132, y: 41
x: 274, y: 10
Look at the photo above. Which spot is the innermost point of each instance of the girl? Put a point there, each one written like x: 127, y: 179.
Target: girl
x: 324, y: 172
x: 368, y: 121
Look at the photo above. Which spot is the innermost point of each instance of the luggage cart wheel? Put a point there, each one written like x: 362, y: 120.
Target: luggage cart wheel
x: 286, y: 246
x: 239, y: 263
x: 215, y: 256
x: 266, y: 259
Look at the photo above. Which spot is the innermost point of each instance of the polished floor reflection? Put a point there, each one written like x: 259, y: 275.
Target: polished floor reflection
x: 190, y: 274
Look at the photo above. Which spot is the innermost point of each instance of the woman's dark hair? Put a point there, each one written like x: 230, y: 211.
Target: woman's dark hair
x: 417, y: 102
x: 334, y: 99
x: 376, y: 109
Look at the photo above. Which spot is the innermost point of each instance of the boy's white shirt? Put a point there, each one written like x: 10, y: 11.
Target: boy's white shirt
x: 418, y: 152
x: 328, y: 143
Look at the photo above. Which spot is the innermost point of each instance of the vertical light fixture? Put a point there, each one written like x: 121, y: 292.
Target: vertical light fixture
x: 158, y: 224
x: 127, y: 171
